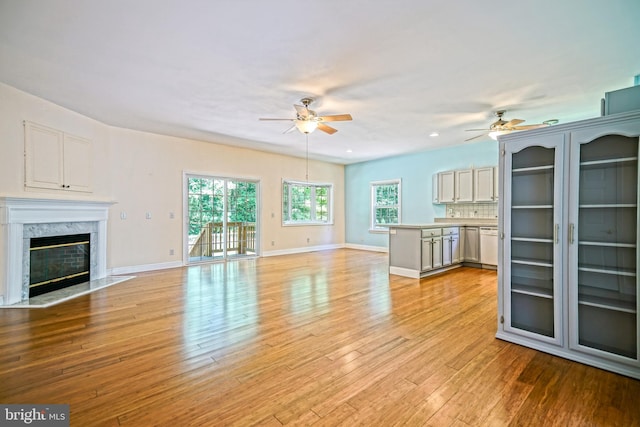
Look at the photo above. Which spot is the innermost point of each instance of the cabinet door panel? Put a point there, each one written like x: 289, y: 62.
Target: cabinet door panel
x: 464, y: 185
x: 43, y: 156
x: 603, y: 259
x: 446, y: 187
x: 455, y: 250
x: 427, y: 254
x: 472, y: 244
x: 437, y: 252
x: 77, y: 163
x: 483, y: 185
x: 532, y: 251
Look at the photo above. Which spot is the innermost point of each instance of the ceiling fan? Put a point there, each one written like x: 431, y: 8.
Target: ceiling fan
x: 501, y: 126
x: 306, y: 120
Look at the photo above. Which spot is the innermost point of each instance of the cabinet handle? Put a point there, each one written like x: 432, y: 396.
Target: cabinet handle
x: 555, y: 233
x: 571, y: 226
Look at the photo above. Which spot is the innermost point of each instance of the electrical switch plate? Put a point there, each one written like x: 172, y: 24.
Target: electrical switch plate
x: 148, y: 216
x: 123, y: 215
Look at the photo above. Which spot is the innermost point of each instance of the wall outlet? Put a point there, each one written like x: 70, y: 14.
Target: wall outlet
x: 170, y: 251
x: 308, y: 240
x: 172, y: 215
x: 148, y: 215
x: 123, y: 215
x: 273, y: 243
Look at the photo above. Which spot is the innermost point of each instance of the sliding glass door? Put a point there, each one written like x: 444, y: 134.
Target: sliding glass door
x: 222, y: 215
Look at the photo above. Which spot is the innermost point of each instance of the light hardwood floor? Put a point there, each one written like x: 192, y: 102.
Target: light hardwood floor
x: 325, y: 338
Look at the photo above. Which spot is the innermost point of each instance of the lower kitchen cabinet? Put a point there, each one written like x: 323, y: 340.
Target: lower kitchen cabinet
x: 417, y: 251
x: 471, y: 244
x: 450, y: 246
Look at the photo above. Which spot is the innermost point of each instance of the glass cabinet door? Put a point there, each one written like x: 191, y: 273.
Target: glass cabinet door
x: 603, y: 259
x: 532, y: 250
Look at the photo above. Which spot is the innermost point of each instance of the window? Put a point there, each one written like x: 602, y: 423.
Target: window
x: 306, y: 203
x: 385, y: 204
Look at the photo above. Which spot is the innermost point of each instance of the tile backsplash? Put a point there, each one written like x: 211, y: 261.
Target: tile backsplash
x: 471, y: 210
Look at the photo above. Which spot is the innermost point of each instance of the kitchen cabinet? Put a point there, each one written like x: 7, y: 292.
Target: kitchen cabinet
x: 471, y: 244
x: 434, y: 189
x: 446, y: 187
x: 568, y: 281
x: 464, y: 186
x: 431, y: 249
x: 450, y: 246
x: 56, y: 160
x: 417, y: 250
x: 483, y: 189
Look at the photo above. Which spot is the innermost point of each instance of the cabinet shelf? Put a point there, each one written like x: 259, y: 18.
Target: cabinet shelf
x: 531, y: 239
x: 608, y: 205
x: 599, y: 269
x: 537, y: 263
x: 609, y: 161
x: 606, y: 244
x: 533, y: 287
x: 532, y: 169
x: 532, y: 207
x: 607, y: 299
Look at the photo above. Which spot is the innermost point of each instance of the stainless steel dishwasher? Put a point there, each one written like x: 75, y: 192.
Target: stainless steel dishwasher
x: 489, y: 245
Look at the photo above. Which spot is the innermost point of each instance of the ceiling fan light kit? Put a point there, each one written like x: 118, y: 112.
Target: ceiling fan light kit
x: 501, y: 127
x: 306, y: 120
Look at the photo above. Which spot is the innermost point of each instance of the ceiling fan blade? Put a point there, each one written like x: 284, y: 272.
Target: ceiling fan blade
x: 513, y: 122
x: 291, y: 129
x: 327, y: 129
x: 302, y: 110
x: 477, y: 136
x: 477, y: 130
x: 276, y: 119
x: 335, y: 118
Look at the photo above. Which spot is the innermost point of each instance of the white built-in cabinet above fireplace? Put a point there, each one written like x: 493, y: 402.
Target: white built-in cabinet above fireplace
x: 56, y: 160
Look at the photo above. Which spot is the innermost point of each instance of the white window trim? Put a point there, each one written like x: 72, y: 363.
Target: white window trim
x: 307, y: 183
x: 383, y: 229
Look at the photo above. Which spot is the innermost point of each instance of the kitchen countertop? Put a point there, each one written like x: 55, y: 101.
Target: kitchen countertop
x: 453, y: 222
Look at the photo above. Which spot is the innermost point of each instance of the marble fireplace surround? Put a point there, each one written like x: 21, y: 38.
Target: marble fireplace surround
x: 24, y: 218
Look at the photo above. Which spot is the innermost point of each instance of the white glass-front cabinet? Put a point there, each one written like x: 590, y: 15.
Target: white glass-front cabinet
x: 568, y: 280
x: 603, y: 233
x: 533, y: 254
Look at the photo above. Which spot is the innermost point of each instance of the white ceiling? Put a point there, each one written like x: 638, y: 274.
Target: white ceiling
x: 208, y: 69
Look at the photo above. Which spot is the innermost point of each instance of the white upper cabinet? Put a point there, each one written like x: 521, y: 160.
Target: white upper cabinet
x: 56, y: 160
x: 483, y: 189
x: 464, y: 186
x: 446, y: 187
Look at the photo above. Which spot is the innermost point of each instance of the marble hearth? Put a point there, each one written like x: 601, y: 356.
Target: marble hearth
x: 24, y: 218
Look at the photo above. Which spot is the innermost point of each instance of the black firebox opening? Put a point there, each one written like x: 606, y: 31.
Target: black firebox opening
x: 57, y: 262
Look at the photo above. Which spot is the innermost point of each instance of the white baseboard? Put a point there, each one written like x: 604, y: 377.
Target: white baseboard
x: 367, y: 247
x: 164, y: 265
x: 145, y: 267
x: 301, y: 250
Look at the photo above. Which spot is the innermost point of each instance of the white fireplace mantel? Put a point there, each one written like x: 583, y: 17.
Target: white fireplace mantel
x: 16, y: 213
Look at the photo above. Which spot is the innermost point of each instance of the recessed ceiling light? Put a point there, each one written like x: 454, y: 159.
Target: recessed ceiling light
x: 434, y: 134
x: 349, y: 150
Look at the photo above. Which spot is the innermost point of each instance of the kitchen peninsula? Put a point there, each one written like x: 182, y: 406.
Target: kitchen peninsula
x: 420, y: 250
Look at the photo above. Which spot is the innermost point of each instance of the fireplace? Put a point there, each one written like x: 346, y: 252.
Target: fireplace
x: 57, y: 262
x: 23, y: 220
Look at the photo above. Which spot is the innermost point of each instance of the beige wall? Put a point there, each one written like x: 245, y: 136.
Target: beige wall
x: 143, y: 172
